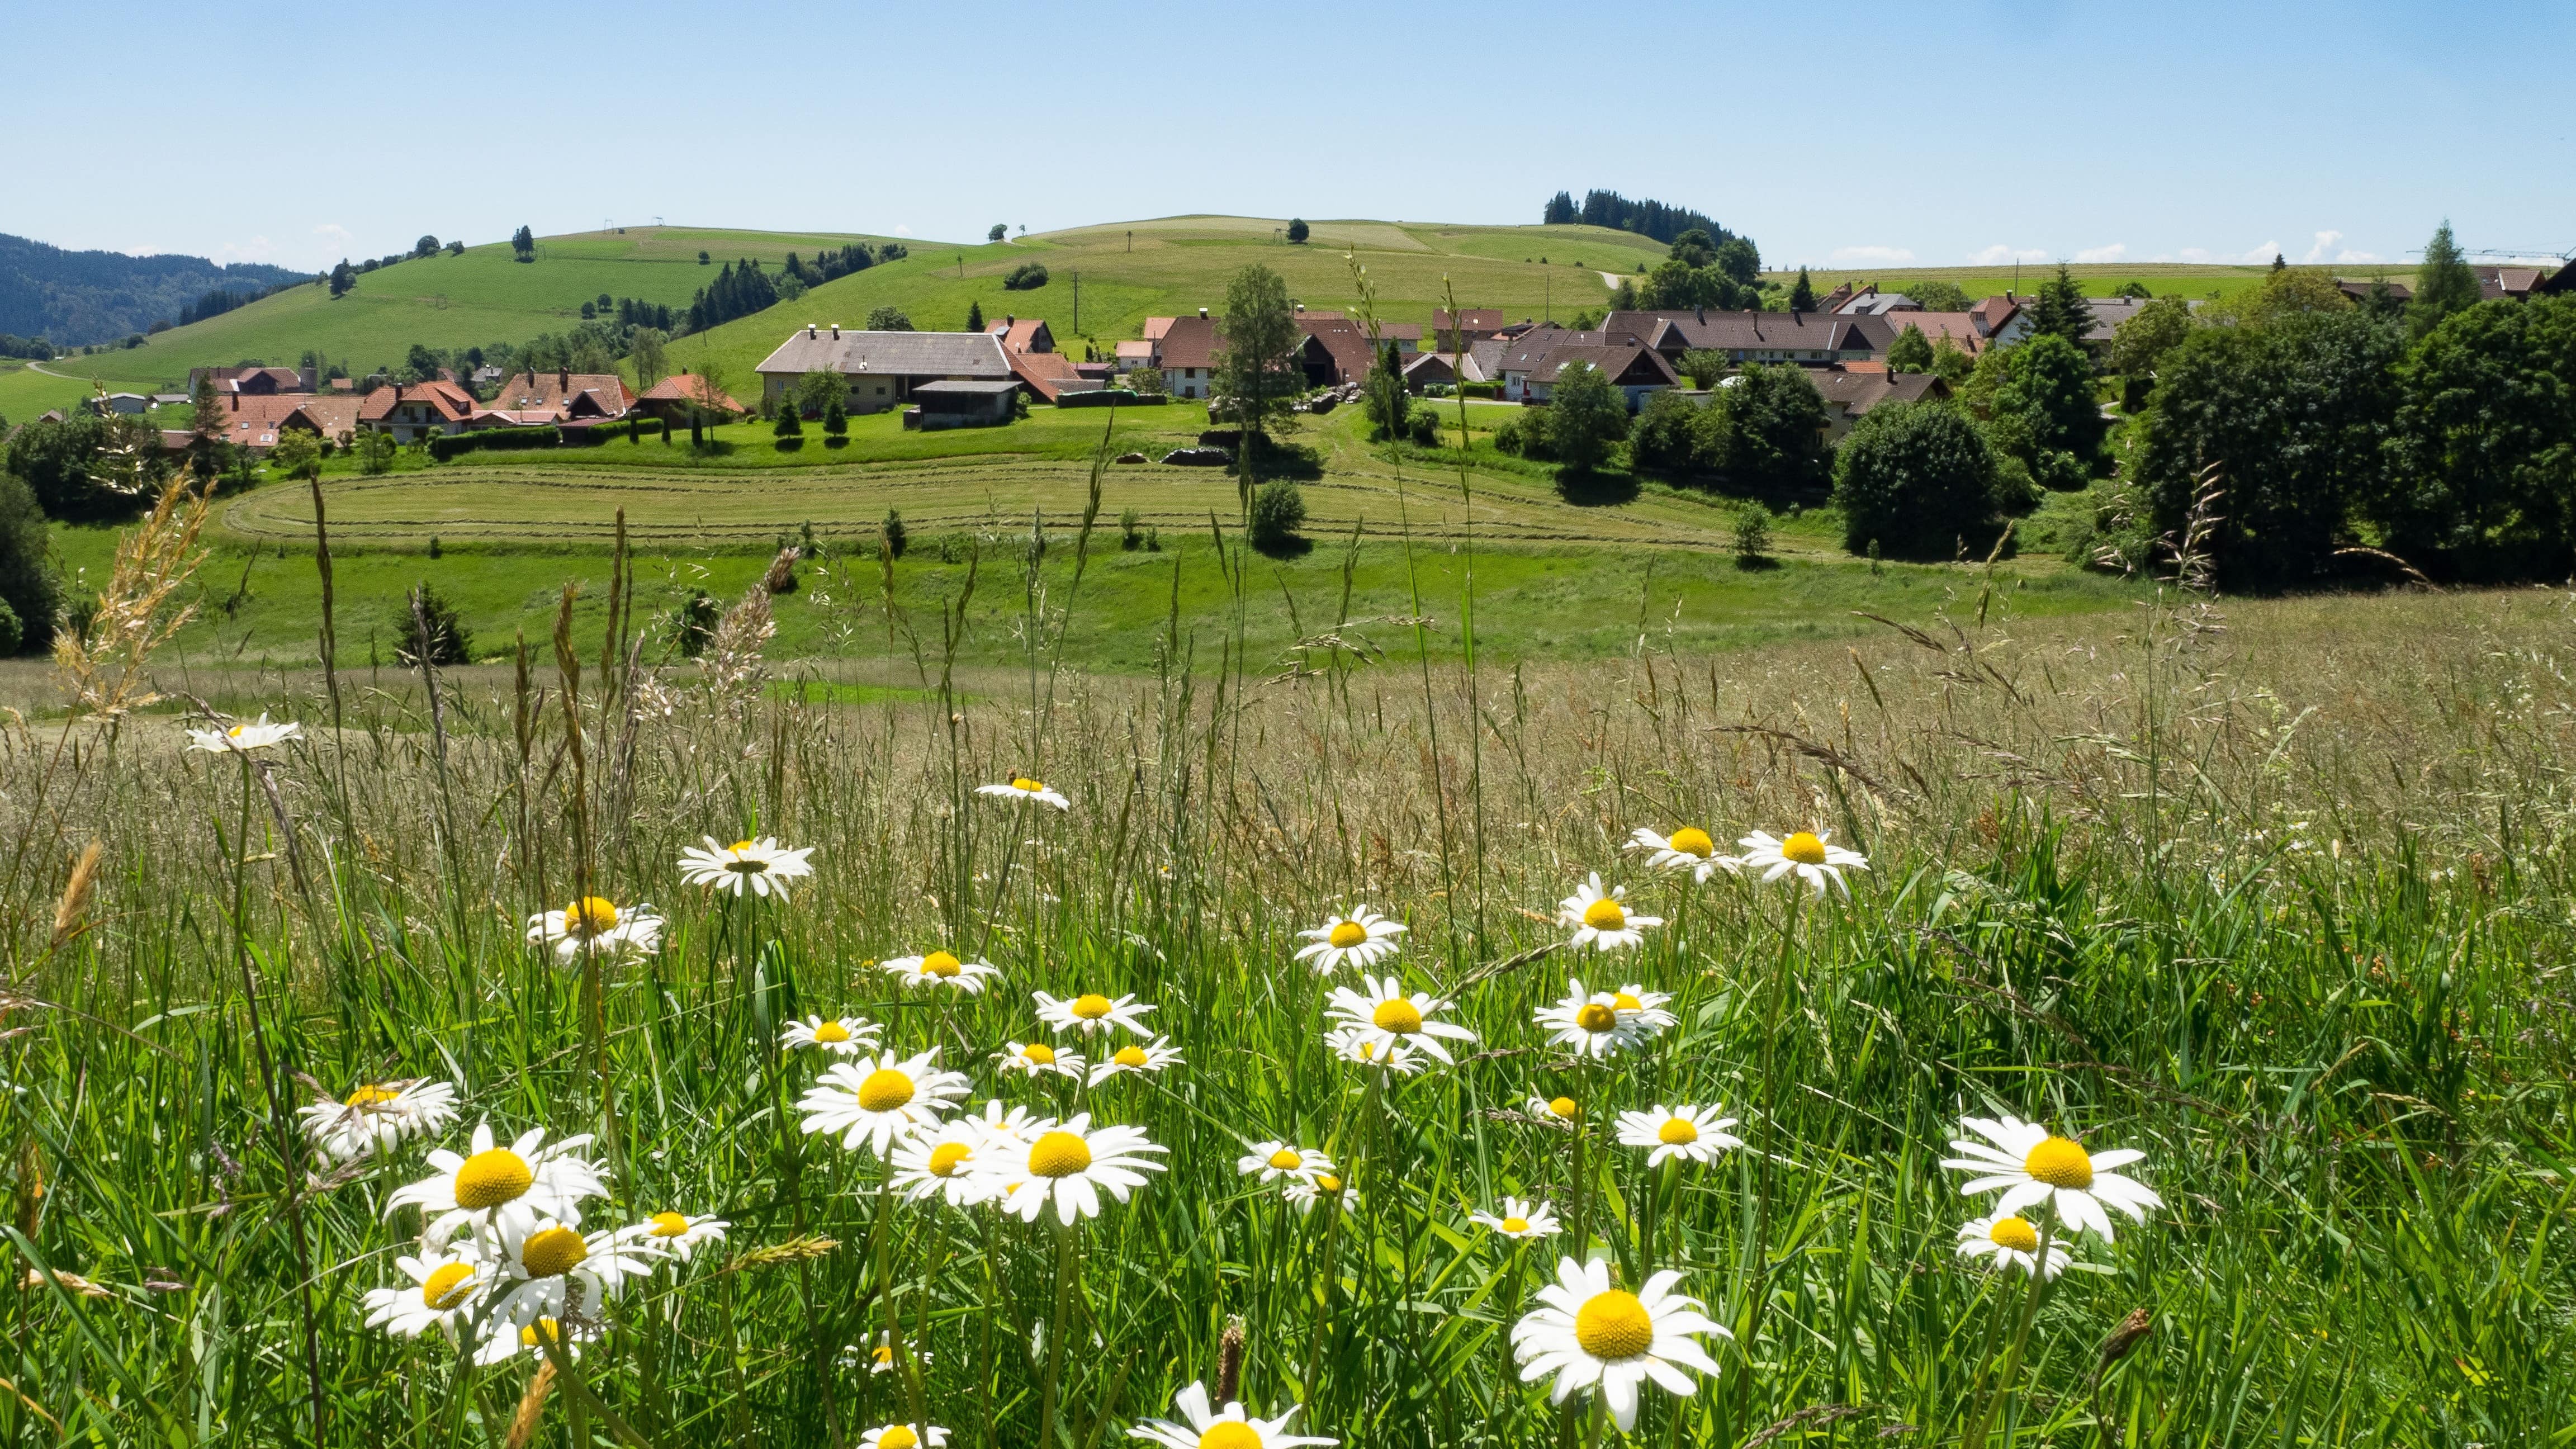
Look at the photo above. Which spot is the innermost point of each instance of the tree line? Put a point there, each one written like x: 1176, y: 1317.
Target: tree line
x: 1647, y: 218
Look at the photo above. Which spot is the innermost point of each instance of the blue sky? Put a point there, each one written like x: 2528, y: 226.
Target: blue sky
x: 1834, y: 135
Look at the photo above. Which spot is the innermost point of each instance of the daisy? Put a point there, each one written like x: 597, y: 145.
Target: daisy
x: 943, y: 1162
x: 377, y: 1117
x: 1305, y: 1192
x: 1278, y: 1159
x: 507, y: 1343
x: 1519, y: 1219
x: 2012, y: 1242
x: 758, y: 865
x: 2031, y: 1166
x: 1363, y: 1046
x: 1092, y: 1012
x: 904, y: 1436
x: 1586, y: 1331
x: 594, y: 923
x: 1068, y: 1164
x: 943, y: 968
x: 842, y: 1036
x: 1602, y: 920
x: 1153, y: 1056
x: 1687, y: 850
x: 549, y: 1270
x: 1024, y: 789
x: 445, y: 1285
x: 243, y: 738
x: 1643, y: 1009
x: 1230, y: 1429
x: 1591, y: 1023
x: 1363, y: 938
x: 1562, y: 1111
x: 880, y: 1354
x: 1385, y: 1016
x: 876, y: 1102
x: 678, y: 1234
x: 515, y: 1184
x: 1036, y: 1058
x: 1697, y: 1133
x: 1804, y: 853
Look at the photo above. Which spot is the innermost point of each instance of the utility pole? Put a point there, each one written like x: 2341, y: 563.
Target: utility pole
x: 1077, y: 304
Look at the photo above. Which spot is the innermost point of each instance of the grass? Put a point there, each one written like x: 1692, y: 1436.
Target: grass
x: 2275, y: 893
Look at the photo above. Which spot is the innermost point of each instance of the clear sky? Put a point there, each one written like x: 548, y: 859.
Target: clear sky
x: 1857, y: 134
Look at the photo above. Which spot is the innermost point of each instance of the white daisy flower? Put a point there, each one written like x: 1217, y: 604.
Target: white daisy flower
x: 1092, y: 1012
x: 876, y: 1102
x: 842, y: 1036
x: 1305, y: 1192
x: 550, y: 1270
x: 594, y: 923
x: 1587, y: 1332
x: 758, y: 866
x: 1152, y: 1056
x: 1561, y: 1110
x: 244, y: 738
x: 880, y: 1354
x: 378, y: 1116
x: 1366, y: 1046
x: 943, y: 968
x: 498, y: 1185
x: 1697, y: 1133
x: 942, y: 1162
x: 1519, y: 1219
x: 445, y: 1286
x: 1068, y: 1164
x: 1279, y: 1159
x: 1643, y: 1009
x: 1362, y: 938
x: 1027, y: 791
x: 904, y: 1436
x: 1229, y: 1429
x: 1602, y: 920
x: 1036, y: 1059
x: 678, y: 1234
x: 1590, y: 1023
x: 2031, y: 1166
x: 507, y: 1343
x: 1384, y: 1015
x: 1804, y: 854
x: 1686, y: 851
x: 2011, y: 1241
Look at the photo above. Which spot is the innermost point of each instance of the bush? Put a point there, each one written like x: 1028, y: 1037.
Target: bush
x: 892, y: 532
x: 449, y: 643
x: 27, y: 589
x: 1422, y: 425
x: 1664, y: 437
x: 1131, y: 533
x: 787, y: 425
x: 1752, y: 535
x: 693, y: 622
x: 1278, y: 512
x: 1526, y: 436
x: 1915, y: 479
x: 1587, y: 415
x: 1026, y: 277
x: 491, y: 440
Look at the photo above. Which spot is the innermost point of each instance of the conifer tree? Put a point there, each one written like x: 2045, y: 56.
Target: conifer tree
x: 2444, y: 285
x: 1802, y: 297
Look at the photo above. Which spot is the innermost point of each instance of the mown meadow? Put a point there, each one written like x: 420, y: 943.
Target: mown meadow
x: 2271, y: 895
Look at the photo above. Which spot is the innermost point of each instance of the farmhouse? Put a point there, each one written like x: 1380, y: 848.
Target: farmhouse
x: 529, y: 398
x: 1030, y: 349
x: 252, y: 380
x: 1850, y: 394
x: 1472, y: 324
x: 414, y: 411
x: 883, y: 368
x: 672, y: 397
x: 1186, y: 352
x: 1801, y: 337
x: 1534, y: 363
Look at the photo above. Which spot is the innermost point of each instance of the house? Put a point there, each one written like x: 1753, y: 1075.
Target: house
x: 1534, y: 364
x: 1023, y: 334
x: 1869, y: 301
x: 1186, y: 352
x: 1472, y: 324
x: 1155, y: 327
x: 344, y: 384
x: 558, y: 397
x: 251, y: 420
x: 128, y: 404
x: 1850, y: 393
x: 1030, y: 349
x: 2360, y: 291
x: 672, y: 398
x: 169, y: 399
x: 2517, y: 283
x: 410, y: 412
x: 2561, y: 283
x: 252, y: 380
x: 1134, y: 354
x: 486, y: 375
x: 1441, y: 369
x: 1487, y: 358
x: 2002, y: 321
x: 1816, y: 339
x: 1407, y: 336
x: 1334, y: 350
x: 1959, y: 327
x: 883, y: 368
x: 331, y: 416
x: 959, y: 403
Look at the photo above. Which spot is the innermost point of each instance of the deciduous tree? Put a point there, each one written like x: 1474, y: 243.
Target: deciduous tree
x: 1915, y: 480
x: 1586, y: 415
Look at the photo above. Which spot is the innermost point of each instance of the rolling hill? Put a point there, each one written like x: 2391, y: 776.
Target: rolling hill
x: 74, y: 298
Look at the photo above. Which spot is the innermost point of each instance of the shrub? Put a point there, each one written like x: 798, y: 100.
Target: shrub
x: 1915, y: 479
x: 27, y: 589
x: 1751, y: 535
x: 494, y: 440
x: 449, y: 643
x: 1422, y: 425
x: 1026, y: 277
x: 1278, y: 512
x: 1586, y: 416
x: 693, y: 622
x: 1663, y: 439
x: 1526, y: 436
x: 1131, y: 534
x: 13, y: 638
x: 787, y: 425
x: 896, y: 541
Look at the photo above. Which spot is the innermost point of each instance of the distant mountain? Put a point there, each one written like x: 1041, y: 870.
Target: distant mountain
x: 70, y: 298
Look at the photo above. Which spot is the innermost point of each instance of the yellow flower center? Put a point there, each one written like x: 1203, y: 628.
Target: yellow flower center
x: 1613, y: 1325
x: 491, y: 1178
x: 1230, y: 1434
x: 1091, y: 1006
x: 940, y: 963
x: 1804, y: 848
x: 1347, y: 934
x: 1691, y: 840
x: 2015, y: 1233
x: 1023, y: 782
x: 1327, y: 1183
x: 884, y: 1090
x: 669, y: 1225
x: 1605, y: 914
x: 1516, y: 1225
x: 831, y: 1031
x: 1059, y: 1154
x: 370, y: 1095
x: 1038, y: 1053
x: 1286, y: 1159
x: 1399, y: 1016
x: 445, y: 1286
x: 1593, y: 1016
x: 589, y: 916
x: 544, y: 1330
x: 882, y: 1353
x: 1130, y: 1056
x: 738, y: 847
x: 1677, y: 1132
x: 552, y: 1252
x: 1626, y: 1002
x: 2060, y: 1163
x: 896, y: 1436
x: 236, y: 731
x: 1564, y: 1108
x: 947, y: 1157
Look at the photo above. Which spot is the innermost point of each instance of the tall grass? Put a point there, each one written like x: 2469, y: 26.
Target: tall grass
x: 2277, y: 895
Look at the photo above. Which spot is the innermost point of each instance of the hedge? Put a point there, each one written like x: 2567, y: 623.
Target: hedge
x: 1104, y: 397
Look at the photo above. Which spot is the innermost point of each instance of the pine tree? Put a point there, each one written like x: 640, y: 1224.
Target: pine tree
x: 1802, y: 297
x: 2061, y: 307
x: 523, y: 245
x: 974, y: 316
x: 2444, y: 285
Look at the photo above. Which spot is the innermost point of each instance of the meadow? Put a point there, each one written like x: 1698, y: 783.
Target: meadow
x: 2272, y: 895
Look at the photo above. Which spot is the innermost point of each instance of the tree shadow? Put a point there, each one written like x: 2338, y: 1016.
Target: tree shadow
x: 790, y: 445
x: 1294, y: 546
x: 1756, y: 564
x: 1596, y: 489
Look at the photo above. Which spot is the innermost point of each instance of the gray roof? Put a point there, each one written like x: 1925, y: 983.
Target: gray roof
x: 1677, y: 331
x: 1872, y: 304
x: 898, y: 354
x: 947, y: 388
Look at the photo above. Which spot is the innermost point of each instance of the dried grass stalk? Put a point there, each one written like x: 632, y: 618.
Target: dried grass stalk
x: 71, y: 913
x: 103, y: 665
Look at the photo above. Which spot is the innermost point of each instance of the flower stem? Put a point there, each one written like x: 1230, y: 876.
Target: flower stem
x: 562, y: 1361
x: 1064, y: 1270
x: 2004, y: 1385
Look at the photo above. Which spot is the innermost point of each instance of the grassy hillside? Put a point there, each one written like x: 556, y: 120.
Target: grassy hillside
x: 2099, y: 279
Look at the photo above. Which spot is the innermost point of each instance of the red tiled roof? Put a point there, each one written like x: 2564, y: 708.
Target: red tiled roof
x: 1155, y: 327
x: 560, y: 392
x: 684, y: 387
x: 453, y: 404
x: 1018, y: 334
x: 1046, y: 373
x: 1187, y: 341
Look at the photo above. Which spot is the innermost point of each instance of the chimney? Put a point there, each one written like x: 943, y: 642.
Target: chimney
x: 563, y: 379
x: 304, y: 379
x: 1010, y: 321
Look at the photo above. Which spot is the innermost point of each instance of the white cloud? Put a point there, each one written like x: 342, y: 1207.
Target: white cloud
x: 333, y: 234
x: 2116, y: 251
x: 1887, y: 256
x: 2323, y: 249
x: 2264, y: 253
x: 903, y: 231
x: 257, y: 249
x: 1998, y: 254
